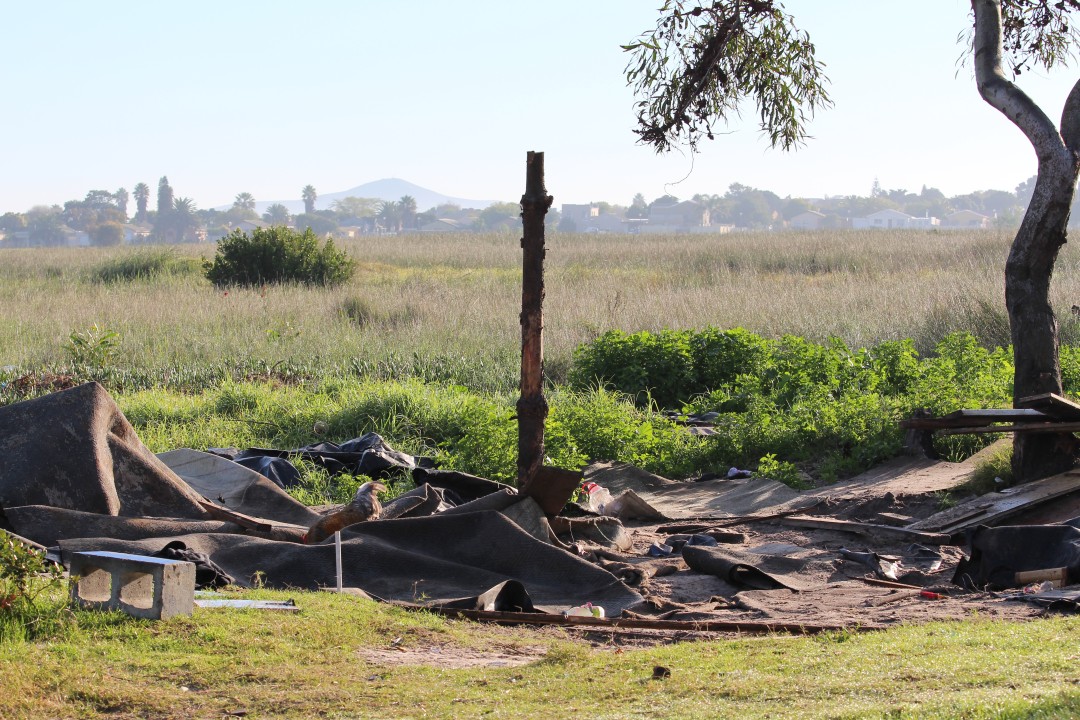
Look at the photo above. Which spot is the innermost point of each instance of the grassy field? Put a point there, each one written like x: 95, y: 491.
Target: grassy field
x: 438, y: 315
x: 445, y: 307
x: 346, y: 658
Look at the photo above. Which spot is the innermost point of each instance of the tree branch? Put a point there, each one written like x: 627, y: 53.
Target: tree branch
x: 999, y: 92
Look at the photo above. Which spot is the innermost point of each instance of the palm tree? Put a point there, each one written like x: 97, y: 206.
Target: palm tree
x: 244, y: 201
x: 408, y: 210
x: 183, y: 220
x: 122, y: 198
x: 142, y: 198
x: 276, y: 214
x: 309, y: 195
x: 390, y: 215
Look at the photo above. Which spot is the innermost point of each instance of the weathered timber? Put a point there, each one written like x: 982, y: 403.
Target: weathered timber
x: 1042, y: 427
x: 532, y: 407
x: 1051, y: 404
x: 994, y: 508
x: 755, y: 627
x: 805, y: 521
x: 966, y: 418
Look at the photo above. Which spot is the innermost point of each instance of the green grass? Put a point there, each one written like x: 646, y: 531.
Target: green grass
x: 445, y: 307
x: 313, y: 664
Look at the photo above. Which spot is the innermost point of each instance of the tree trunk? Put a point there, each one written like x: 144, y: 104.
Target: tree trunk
x: 1035, y: 249
x: 532, y: 407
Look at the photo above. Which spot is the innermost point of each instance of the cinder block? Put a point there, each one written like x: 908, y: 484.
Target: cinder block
x: 141, y: 586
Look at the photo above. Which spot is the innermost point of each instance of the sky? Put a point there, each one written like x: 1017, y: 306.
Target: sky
x: 266, y: 97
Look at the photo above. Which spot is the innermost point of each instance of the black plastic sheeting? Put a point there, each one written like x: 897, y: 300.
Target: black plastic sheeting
x: 366, y: 455
x: 998, y: 553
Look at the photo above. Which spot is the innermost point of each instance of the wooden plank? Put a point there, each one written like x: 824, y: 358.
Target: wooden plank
x: 245, y: 521
x: 993, y: 508
x: 971, y: 418
x: 1044, y: 427
x: 805, y: 521
x: 518, y: 618
x: 1051, y: 404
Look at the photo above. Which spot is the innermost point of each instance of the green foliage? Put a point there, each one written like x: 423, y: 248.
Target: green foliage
x: 28, y: 605
x: 825, y: 404
x: 649, y: 366
x: 146, y: 265
x: 92, y: 348
x: 780, y: 471
x: 703, y: 59
x: 278, y: 255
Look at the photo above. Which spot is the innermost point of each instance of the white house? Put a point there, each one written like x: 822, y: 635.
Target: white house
x: 966, y: 219
x: 809, y: 220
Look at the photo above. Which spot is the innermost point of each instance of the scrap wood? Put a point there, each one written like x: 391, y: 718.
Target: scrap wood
x: 992, y: 508
x: 1028, y: 427
x: 1051, y: 404
x: 890, y: 584
x: 968, y: 418
x: 245, y: 521
x: 820, y: 523
x: 752, y: 627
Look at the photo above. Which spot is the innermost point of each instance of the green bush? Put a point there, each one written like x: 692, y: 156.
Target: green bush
x: 835, y: 409
x: 652, y: 367
x: 278, y: 255
x: 146, y: 265
x: 30, y: 605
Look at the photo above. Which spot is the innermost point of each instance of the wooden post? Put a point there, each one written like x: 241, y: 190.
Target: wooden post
x: 532, y: 407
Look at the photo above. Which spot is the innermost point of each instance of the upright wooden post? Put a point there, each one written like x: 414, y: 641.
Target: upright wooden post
x: 532, y: 407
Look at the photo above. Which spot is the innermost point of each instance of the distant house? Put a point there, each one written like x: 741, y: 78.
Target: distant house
x: 966, y: 219
x: 249, y: 225
x: 809, y: 220
x: 135, y: 233
x: 886, y: 219
x: 441, y: 225
x: 926, y: 222
x: 685, y: 216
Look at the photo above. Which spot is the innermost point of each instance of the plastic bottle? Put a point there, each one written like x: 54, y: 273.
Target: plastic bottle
x: 597, y: 497
x: 586, y: 610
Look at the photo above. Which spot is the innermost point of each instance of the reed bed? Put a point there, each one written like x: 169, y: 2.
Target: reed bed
x: 445, y: 307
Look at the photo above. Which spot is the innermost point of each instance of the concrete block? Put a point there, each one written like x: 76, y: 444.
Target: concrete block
x: 141, y: 586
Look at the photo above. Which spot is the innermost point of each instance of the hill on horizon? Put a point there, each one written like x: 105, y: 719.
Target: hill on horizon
x: 385, y: 189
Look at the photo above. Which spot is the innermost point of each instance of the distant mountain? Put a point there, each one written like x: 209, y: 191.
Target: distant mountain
x: 386, y: 189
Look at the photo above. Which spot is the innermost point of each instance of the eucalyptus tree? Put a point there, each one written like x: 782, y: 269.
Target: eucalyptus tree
x: 309, y: 196
x: 703, y: 60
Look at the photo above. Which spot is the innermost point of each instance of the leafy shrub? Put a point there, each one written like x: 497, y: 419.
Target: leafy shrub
x: 652, y: 367
x: 278, y: 255
x: 825, y: 404
x: 92, y: 348
x: 146, y: 265
x: 28, y: 589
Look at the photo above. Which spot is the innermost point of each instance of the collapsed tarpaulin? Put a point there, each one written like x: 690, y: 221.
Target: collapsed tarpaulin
x: 999, y: 553
x: 366, y: 455
x: 74, y: 474
x: 655, y: 497
x: 761, y: 570
x: 75, y: 449
x: 418, y: 560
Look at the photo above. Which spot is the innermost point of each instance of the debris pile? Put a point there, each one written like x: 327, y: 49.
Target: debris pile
x: 727, y: 553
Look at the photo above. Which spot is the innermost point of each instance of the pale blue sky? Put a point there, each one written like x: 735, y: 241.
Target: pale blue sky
x: 266, y: 97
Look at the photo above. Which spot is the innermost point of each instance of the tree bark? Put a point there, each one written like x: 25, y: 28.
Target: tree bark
x: 1034, y: 251
x: 532, y: 407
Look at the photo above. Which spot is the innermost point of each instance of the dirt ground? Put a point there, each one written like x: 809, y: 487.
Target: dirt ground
x: 842, y: 592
